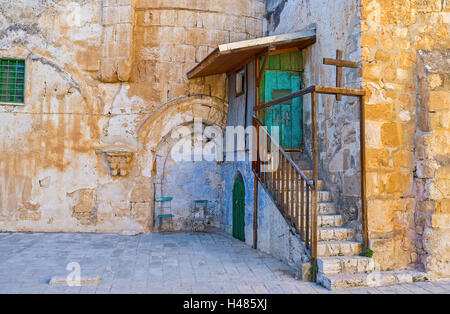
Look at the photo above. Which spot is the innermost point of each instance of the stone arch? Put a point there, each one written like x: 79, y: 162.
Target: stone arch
x: 173, y: 178
x: 158, y: 125
x: 154, y: 133
x: 238, y: 176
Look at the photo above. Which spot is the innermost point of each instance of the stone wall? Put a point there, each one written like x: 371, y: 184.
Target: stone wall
x: 187, y: 181
x: 432, y: 162
x: 106, y: 83
x: 337, y: 25
x: 406, y: 219
x: 275, y: 236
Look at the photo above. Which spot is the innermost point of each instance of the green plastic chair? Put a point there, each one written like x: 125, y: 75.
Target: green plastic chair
x: 165, y: 205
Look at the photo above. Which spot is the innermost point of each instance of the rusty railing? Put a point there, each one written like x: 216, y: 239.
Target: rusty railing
x: 288, y: 186
x: 296, y: 195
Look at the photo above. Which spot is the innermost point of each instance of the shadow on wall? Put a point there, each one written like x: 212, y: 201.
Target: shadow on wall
x: 186, y: 180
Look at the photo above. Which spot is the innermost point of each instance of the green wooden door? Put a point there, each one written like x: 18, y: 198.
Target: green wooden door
x: 239, y: 210
x: 287, y: 116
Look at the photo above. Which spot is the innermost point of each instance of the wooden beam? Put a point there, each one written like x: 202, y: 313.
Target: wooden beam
x: 340, y: 63
x: 264, y: 42
x: 204, y: 64
x: 339, y: 90
x: 286, y: 50
x: 260, y: 72
x: 285, y: 98
x: 241, y: 65
x: 318, y: 89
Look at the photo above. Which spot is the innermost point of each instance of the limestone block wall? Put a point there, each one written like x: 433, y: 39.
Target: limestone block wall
x: 117, y: 40
x: 105, y: 85
x: 337, y: 24
x: 171, y: 37
x: 432, y: 162
x: 392, y: 34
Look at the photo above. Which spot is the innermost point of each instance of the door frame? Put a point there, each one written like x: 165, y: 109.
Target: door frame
x: 238, y: 218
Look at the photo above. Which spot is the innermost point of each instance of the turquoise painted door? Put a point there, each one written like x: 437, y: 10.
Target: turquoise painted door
x: 287, y: 116
x: 239, y: 210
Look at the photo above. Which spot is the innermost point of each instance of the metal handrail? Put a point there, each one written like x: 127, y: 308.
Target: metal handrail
x: 310, y: 225
x: 285, y: 155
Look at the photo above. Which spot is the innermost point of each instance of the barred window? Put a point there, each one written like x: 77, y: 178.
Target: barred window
x: 12, y: 81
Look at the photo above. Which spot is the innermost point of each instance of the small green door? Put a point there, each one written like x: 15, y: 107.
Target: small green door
x: 239, y: 210
x: 288, y: 115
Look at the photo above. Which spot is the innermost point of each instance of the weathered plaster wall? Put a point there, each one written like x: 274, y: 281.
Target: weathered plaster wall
x: 229, y: 172
x: 186, y: 181
x: 274, y: 234
x: 337, y: 24
x: 104, y: 77
x: 403, y: 159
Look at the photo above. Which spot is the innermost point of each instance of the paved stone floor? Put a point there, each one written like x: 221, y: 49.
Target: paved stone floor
x: 156, y: 263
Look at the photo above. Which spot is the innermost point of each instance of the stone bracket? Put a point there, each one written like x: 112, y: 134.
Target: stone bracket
x: 119, y: 160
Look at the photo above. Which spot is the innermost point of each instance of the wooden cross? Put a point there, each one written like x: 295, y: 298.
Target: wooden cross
x: 339, y: 64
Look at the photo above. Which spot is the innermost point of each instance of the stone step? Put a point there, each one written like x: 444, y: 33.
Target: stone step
x: 373, y: 279
x: 321, y: 185
x: 332, y: 220
x: 324, y: 209
x: 289, y: 196
x: 324, y: 196
x: 335, y: 234
x: 308, y: 173
x: 336, y: 265
x: 327, y: 208
x: 302, y: 164
x: 338, y: 248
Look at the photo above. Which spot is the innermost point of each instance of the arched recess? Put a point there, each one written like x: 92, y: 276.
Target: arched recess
x: 187, y: 179
x: 154, y: 154
x: 160, y: 123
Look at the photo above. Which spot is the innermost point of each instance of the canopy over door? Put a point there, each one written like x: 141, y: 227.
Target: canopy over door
x: 229, y: 58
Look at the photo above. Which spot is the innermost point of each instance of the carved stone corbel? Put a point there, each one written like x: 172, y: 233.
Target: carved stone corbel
x: 119, y: 162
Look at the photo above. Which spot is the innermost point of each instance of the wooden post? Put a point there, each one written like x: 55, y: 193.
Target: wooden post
x: 255, y: 186
x: 296, y: 202
x: 302, y: 209
x: 291, y: 195
x: 316, y: 180
x: 283, y: 185
x: 307, y: 221
x: 258, y: 76
x: 339, y: 56
x: 362, y: 130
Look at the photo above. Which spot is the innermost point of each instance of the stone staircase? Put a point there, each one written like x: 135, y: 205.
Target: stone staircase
x: 340, y: 264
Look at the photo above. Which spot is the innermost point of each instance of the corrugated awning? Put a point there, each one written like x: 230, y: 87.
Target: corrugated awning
x: 229, y: 58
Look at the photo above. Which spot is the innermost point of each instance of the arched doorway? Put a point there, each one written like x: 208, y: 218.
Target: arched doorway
x: 187, y: 180
x: 171, y: 179
x: 239, y: 209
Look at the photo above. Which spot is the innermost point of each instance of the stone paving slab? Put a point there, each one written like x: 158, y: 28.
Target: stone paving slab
x: 199, y: 263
